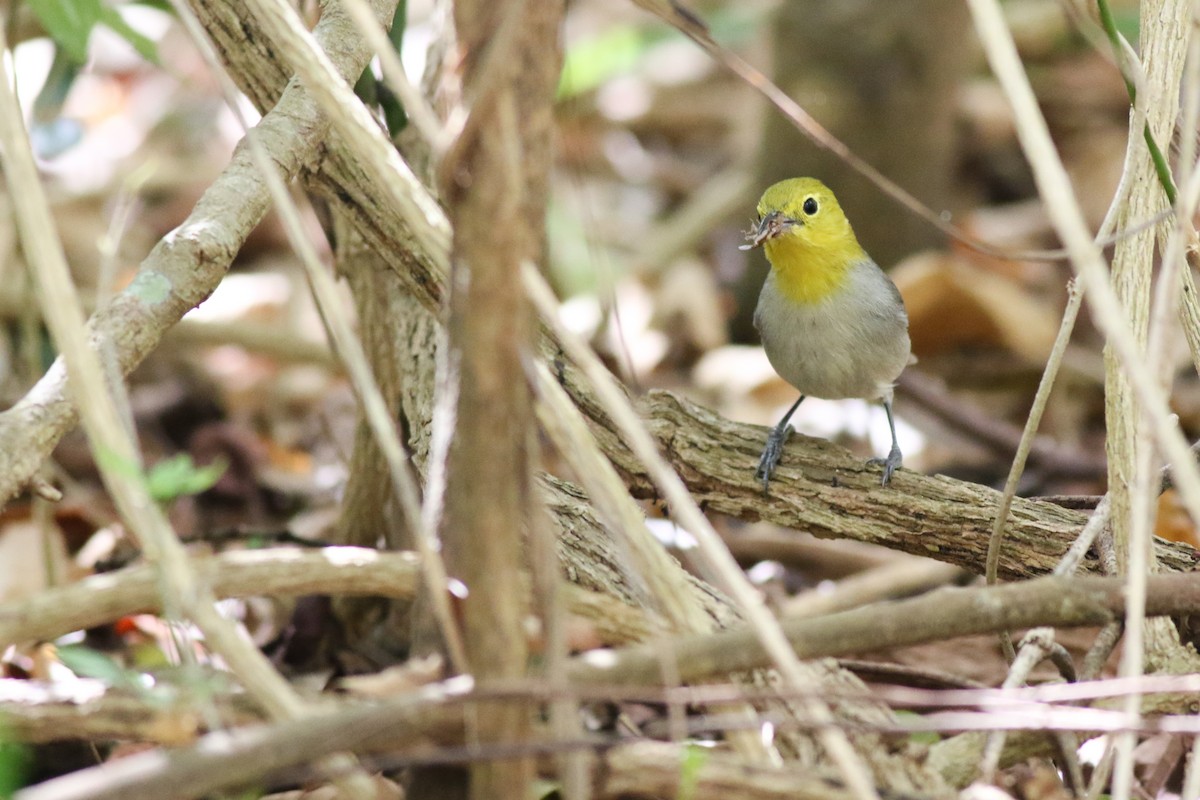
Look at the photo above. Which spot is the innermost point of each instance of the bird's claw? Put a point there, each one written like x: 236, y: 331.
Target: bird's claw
x: 889, y: 464
x: 770, y: 455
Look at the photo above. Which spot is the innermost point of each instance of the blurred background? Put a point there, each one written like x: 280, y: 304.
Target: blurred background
x: 661, y: 157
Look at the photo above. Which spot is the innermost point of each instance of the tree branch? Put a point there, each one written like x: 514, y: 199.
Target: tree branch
x: 249, y: 573
x: 186, y: 266
x: 935, y: 616
x: 824, y: 490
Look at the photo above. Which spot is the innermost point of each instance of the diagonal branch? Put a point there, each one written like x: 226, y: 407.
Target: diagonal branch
x: 936, y: 616
x: 186, y: 266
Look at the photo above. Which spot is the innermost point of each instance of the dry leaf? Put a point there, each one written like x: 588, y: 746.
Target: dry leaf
x: 954, y: 305
x: 397, y: 680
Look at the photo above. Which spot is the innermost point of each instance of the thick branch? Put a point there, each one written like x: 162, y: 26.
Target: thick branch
x: 824, y: 490
x: 495, y: 184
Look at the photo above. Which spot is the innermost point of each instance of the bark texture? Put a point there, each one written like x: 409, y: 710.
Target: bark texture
x: 495, y: 185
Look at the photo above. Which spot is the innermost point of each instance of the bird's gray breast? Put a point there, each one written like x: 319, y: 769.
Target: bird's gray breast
x: 853, y: 343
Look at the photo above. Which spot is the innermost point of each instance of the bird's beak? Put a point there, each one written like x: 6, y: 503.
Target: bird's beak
x: 770, y: 226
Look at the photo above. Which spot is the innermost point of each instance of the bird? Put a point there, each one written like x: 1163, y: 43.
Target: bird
x: 832, y: 323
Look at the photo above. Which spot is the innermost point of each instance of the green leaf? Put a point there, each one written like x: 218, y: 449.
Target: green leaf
x: 919, y: 737
x: 1129, y: 23
x: 393, y: 111
x: 924, y: 737
x: 621, y: 49
x: 161, y: 5
x: 592, y: 62
x: 178, y: 476
x: 366, y: 88
x: 15, y: 762
x: 144, y: 46
x: 377, y: 93
x: 69, y: 23
x: 64, y: 69
x: 109, y: 460
x: 147, y: 657
x: 694, y: 758
x: 542, y: 789
x: 93, y: 664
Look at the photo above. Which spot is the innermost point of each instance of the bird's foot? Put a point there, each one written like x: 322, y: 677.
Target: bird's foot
x: 889, y: 464
x: 770, y: 455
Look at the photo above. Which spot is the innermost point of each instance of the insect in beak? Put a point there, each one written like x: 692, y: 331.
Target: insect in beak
x: 769, y: 227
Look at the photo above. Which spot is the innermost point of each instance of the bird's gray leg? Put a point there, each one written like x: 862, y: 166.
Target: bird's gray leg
x: 894, y: 457
x: 774, y: 448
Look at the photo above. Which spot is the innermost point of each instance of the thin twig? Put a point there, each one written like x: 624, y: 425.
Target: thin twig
x: 1100, y: 651
x: 1131, y: 454
x: 1000, y: 435
x: 1086, y: 258
x: 662, y: 581
x: 904, y: 575
x: 1191, y: 778
x: 1083, y: 542
x: 1035, y: 648
x: 1127, y: 66
x: 1041, y: 398
x: 185, y: 267
x: 935, y: 616
x: 694, y: 28
x: 284, y: 572
x: 419, y: 112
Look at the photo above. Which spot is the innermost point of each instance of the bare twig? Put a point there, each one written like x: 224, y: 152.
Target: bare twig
x: 1086, y: 258
x: 673, y: 770
x: 285, y: 571
x: 1100, y: 651
x: 85, y: 709
x: 1131, y: 454
x: 224, y: 760
x: 1191, y: 781
x: 687, y: 22
x: 495, y: 185
x: 903, y: 576
x: 944, y: 613
x: 419, y: 112
x: 256, y: 337
x: 1000, y: 435
x: 1045, y: 385
x: 663, y: 582
x: 826, y: 491
x: 1036, y: 646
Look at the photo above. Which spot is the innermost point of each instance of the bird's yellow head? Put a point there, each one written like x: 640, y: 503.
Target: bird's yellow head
x: 807, y: 238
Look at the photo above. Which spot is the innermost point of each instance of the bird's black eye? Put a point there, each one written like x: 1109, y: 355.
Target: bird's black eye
x: 810, y: 205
